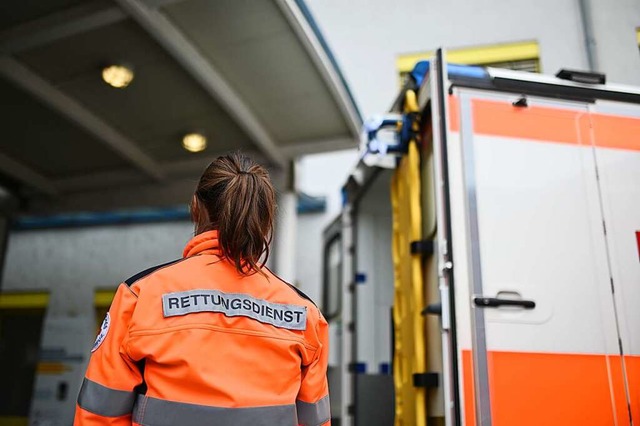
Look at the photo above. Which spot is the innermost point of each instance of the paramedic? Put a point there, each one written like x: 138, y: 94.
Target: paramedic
x: 214, y: 338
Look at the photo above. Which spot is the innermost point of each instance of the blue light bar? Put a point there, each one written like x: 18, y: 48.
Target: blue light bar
x: 421, y: 69
x: 467, y: 71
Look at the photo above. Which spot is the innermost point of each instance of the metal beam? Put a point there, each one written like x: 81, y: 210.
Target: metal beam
x: 133, y: 196
x: 195, y: 166
x: 23, y: 77
x: 191, y: 168
x: 172, y: 39
x: 321, y: 59
x: 76, y: 20
x: 157, y: 4
x: 318, y: 146
x: 26, y: 175
x: 98, y: 181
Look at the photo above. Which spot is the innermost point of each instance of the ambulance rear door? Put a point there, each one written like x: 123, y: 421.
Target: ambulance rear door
x: 616, y: 140
x: 536, y: 334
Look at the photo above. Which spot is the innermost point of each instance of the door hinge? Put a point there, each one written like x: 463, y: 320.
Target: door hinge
x: 433, y: 309
x: 423, y: 247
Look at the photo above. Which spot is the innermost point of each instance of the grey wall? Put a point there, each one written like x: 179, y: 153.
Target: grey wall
x: 72, y: 263
x: 366, y: 36
x: 614, y: 24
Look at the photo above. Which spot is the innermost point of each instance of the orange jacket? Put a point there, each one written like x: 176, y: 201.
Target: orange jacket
x: 193, y: 342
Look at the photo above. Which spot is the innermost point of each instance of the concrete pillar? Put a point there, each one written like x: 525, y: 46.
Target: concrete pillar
x: 286, y: 226
x: 8, y: 207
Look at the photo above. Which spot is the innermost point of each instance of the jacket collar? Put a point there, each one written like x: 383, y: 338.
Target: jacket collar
x: 205, y: 243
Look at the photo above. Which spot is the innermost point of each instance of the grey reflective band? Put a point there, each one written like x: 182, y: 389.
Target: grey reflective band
x: 105, y: 401
x: 313, y: 414
x: 292, y: 317
x: 157, y: 412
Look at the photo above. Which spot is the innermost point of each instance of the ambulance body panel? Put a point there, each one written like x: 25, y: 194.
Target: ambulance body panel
x: 536, y: 186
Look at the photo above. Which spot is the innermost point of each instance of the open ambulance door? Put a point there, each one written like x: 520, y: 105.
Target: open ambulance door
x: 537, y: 215
x: 616, y: 127
x: 332, y: 309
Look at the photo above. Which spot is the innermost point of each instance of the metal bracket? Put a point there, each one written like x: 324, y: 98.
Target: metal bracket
x: 433, y: 309
x: 426, y: 380
x: 357, y: 367
x: 424, y: 247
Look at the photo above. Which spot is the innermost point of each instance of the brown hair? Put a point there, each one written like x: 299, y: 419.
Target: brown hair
x: 236, y: 198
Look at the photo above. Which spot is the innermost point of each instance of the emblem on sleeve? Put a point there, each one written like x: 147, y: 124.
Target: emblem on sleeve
x: 104, y: 329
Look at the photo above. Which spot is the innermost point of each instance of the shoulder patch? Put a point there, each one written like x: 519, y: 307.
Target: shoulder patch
x: 148, y: 271
x: 104, y: 329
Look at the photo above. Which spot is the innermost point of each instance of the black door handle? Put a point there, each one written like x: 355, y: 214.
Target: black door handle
x: 494, y: 302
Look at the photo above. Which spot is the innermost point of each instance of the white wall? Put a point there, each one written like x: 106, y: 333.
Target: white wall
x: 318, y: 175
x: 366, y: 36
x: 614, y: 23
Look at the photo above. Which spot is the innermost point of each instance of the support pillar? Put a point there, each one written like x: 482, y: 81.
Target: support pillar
x: 286, y: 227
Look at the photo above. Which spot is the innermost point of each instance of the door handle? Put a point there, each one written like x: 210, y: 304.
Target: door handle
x: 495, y: 302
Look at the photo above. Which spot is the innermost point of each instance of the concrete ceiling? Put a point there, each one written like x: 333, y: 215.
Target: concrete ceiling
x: 252, y: 75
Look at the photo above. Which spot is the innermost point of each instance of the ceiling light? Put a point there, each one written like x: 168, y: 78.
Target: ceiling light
x: 194, y: 142
x: 118, y: 76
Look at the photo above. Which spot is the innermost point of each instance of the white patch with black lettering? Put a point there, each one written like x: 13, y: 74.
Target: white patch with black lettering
x: 104, y: 329
x: 292, y: 317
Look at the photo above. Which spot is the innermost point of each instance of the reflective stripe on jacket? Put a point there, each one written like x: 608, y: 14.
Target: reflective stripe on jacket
x: 195, y: 343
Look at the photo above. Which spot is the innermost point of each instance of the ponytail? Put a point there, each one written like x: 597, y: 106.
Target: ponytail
x: 235, y: 197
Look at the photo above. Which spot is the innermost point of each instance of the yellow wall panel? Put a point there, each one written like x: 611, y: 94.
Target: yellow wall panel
x: 103, y: 298
x: 481, y: 55
x: 26, y: 300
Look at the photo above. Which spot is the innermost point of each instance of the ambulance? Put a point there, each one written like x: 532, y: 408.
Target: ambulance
x: 485, y: 267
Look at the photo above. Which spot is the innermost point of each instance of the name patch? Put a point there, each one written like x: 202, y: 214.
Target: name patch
x: 292, y: 317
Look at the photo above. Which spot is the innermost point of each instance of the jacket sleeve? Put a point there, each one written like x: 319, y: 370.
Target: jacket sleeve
x: 108, y: 393
x: 312, y: 403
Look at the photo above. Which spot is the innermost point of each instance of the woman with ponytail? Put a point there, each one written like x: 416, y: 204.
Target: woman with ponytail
x: 214, y: 338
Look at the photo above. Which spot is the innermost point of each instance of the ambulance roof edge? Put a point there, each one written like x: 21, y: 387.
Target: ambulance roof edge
x: 528, y: 83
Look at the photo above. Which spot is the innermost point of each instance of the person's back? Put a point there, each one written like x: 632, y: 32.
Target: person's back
x: 214, y: 338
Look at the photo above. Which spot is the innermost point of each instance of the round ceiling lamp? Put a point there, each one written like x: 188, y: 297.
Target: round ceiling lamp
x: 194, y: 142
x: 118, y: 76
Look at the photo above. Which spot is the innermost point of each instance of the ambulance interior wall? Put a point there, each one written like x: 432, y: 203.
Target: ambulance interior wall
x: 374, y: 294
x: 367, y: 47
x: 375, y: 267
x: 71, y: 264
